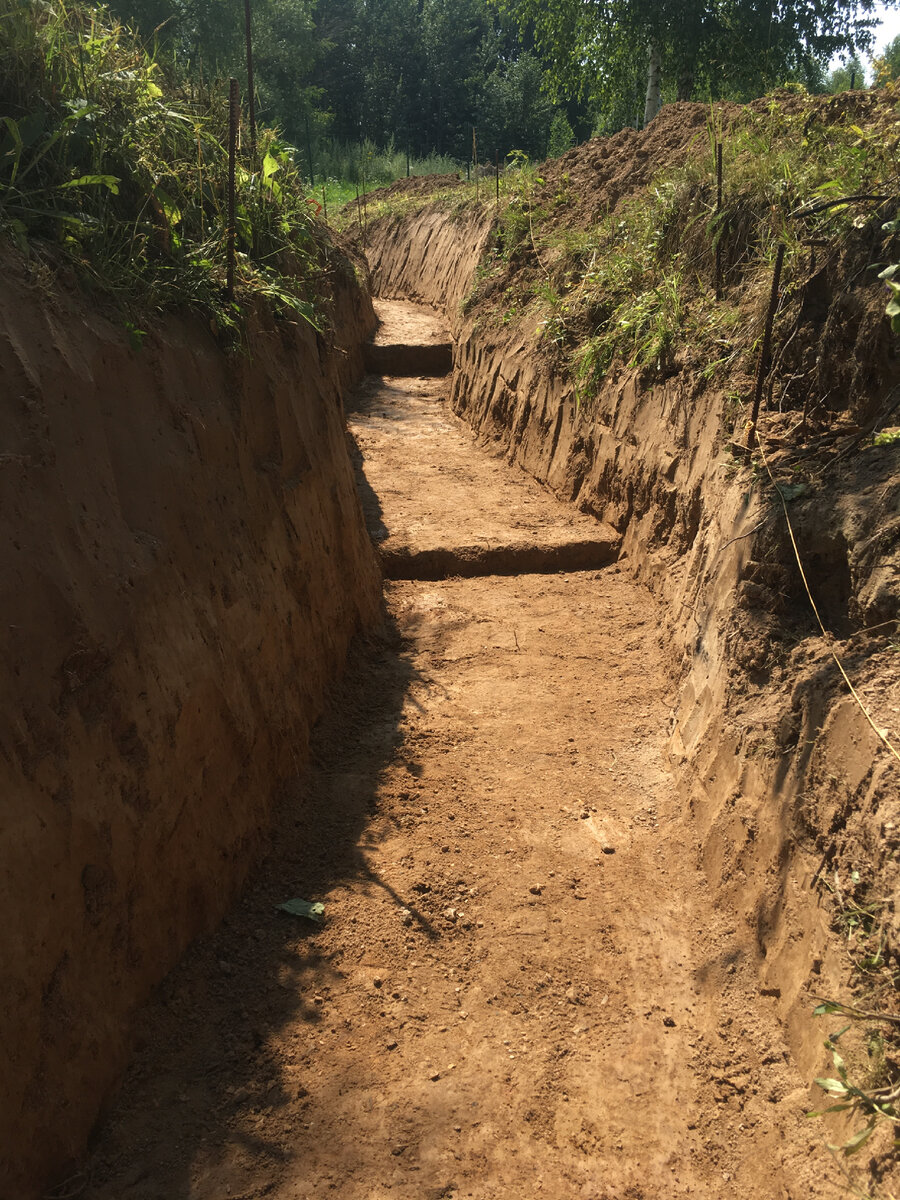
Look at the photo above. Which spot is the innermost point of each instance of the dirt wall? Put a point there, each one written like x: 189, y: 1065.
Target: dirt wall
x: 185, y: 564
x: 780, y: 766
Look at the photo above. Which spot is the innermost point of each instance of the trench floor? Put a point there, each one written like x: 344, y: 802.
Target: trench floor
x: 520, y: 988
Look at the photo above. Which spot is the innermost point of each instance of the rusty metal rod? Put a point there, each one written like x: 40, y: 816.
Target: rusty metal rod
x: 233, y: 119
x: 251, y: 103
x: 718, y: 211
x: 765, y: 353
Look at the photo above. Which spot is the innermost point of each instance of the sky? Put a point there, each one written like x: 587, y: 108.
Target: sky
x: 890, y: 25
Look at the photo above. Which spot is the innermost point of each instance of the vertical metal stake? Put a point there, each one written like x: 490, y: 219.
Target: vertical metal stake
x: 497, y: 174
x: 718, y: 210
x: 765, y: 353
x: 251, y: 103
x: 233, y: 118
x: 475, y: 161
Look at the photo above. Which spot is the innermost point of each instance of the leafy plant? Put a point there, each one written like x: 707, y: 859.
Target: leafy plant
x: 118, y: 166
x: 867, y: 1098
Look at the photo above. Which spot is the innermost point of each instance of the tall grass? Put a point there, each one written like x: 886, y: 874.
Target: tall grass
x: 342, y: 167
x: 113, y: 164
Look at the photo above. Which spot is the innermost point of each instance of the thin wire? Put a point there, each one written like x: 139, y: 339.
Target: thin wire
x: 840, y: 666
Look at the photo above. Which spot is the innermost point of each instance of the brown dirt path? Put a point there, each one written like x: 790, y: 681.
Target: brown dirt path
x: 437, y: 506
x: 521, y: 988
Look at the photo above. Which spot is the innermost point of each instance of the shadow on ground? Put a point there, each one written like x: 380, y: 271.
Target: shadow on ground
x: 205, y: 1082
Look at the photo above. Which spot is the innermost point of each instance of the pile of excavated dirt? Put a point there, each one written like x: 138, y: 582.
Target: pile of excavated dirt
x: 794, y: 796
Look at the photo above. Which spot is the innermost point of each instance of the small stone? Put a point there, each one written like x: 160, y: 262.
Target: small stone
x: 451, y: 914
x: 225, y: 967
x: 669, y: 1022
x: 392, y: 1045
x: 407, y: 916
x: 318, y: 999
x: 377, y: 981
x: 536, y: 889
x: 434, y: 1076
x: 607, y: 849
x: 397, y: 1150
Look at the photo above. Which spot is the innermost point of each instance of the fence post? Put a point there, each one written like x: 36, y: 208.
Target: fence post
x: 718, y: 211
x: 233, y: 118
x: 475, y: 161
x: 251, y: 102
x: 765, y: 353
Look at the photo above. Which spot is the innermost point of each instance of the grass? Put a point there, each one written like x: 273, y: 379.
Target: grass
x: 637, y: 288
x: 116, y: 168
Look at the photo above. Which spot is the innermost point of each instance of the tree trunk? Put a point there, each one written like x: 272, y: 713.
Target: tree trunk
x: 654, y: 82
x: 686, y: 84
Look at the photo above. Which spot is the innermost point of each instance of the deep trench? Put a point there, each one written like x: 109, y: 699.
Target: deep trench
x: 521, y: 986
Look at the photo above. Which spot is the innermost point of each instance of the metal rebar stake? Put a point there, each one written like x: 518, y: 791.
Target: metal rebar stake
x: 233, y: 119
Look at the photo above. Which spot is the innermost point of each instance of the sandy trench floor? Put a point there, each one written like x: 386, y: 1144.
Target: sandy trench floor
x: 521, y: 987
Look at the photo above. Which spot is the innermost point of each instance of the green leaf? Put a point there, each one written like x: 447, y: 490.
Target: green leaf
x: 859, y: 1139
x: 832, y: 1085
x: 826, y: 1007
x: 270, y: 166
x: 108, y: 181
x: 304, y: 908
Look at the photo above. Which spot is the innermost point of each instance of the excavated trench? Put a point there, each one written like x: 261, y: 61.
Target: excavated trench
x: 523, y: 984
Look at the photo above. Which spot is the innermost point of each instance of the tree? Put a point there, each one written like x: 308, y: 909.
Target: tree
x: 514, y: 113
x: 735, y: 48
x: 853, y: 74
x: 887, y: 64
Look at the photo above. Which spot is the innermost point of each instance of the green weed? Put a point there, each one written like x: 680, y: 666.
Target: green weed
x: 117, y: 166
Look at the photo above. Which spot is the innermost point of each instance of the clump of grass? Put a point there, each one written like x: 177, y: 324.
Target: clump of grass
x: 637, y: 288
x: 113, y: 165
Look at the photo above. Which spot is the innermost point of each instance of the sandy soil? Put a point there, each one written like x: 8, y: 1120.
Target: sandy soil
x: 521, y: 987
x: 437, y: 506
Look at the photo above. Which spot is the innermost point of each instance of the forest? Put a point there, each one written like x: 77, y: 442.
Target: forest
x: 446, y: 80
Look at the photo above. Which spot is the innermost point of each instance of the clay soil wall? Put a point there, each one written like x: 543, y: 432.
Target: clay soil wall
x: 185, y: 564
x: 780, y: 766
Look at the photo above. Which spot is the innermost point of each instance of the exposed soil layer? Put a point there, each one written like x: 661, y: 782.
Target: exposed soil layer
x: 522, y: 986
x: 796, y: 800
x: 408, y: 343
x: 435, y: 507
x: 185, y: 564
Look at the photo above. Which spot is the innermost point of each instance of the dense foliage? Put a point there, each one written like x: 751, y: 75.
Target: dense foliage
x: 117, y: 166
x: 417, y: 74
x: 736, y: 49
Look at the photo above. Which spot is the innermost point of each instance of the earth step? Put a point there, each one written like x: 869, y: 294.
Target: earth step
x: 438, y: 505
x: 523, y: 558
x: 410, y: 340
x: 405, y: 360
